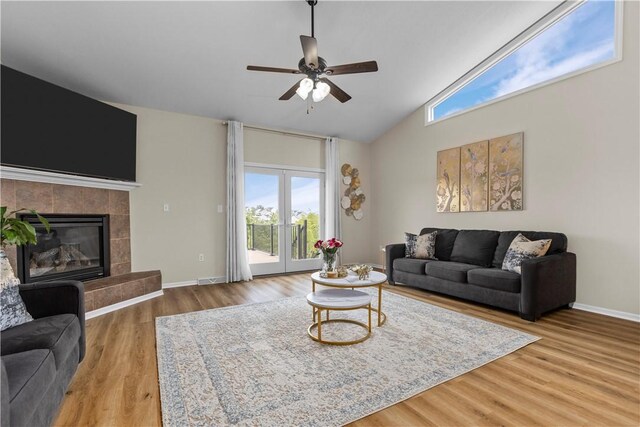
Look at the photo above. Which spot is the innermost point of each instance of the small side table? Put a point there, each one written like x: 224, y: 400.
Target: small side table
x: 376, y: 279
x: 341, y: 300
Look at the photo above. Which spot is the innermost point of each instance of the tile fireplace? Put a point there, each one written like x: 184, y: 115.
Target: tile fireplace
x: 76, y: 247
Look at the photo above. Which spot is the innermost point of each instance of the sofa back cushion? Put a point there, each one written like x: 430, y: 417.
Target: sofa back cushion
x: 445, y: 238
x: 475, y: 247
x: 558, y: 243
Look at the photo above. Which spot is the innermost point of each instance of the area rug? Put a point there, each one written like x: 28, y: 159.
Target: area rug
x: 255, y: 365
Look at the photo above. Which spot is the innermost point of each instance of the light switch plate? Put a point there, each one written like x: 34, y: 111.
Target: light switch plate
x: 220, y: 208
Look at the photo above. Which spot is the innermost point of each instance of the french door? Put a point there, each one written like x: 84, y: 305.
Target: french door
x: 285, y: 216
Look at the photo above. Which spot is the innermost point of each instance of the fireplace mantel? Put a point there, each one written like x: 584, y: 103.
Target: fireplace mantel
x: 21, y: 174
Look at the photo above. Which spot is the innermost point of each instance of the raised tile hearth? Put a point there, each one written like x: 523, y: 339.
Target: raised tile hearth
x: 107, y: 291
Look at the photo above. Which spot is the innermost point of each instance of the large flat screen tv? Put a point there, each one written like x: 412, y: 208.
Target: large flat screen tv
x: 50, y: 128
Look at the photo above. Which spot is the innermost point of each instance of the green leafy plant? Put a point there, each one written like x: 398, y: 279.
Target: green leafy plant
x: 18, y: 232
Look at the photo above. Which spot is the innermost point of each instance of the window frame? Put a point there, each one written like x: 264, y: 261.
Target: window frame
x: 559, y: 12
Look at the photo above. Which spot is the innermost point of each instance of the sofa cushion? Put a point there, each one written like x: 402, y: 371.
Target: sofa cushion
x: 410, y: 265
x: 475, y: 247
x: 445, y: 239
x: 522, y: 249
x: 454, y: 271
x: 13, y: 311
x: 558, y: 243
x: 59, y: 333
x: 493, y: 278
x: 29, y: 376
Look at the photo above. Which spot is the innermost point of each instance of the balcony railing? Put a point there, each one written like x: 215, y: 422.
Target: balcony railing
x: 264, y: 237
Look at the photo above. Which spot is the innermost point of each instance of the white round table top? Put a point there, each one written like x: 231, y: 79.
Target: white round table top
x: 351, y: 281
x: 338, y: 299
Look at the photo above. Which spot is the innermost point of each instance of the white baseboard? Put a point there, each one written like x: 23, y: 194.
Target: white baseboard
x: 179, y: 284
x: 122, y: 304
x: 380, y: 266
x: 608, y: 312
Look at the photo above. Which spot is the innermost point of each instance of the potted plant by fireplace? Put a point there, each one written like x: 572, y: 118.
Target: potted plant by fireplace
x: 14, y: 232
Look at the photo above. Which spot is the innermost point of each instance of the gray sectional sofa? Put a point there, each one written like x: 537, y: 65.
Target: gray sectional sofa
x: 40, y: 357
x: 469, y: 265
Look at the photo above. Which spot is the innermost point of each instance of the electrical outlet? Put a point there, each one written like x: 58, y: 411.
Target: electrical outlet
x: 220, y: 208
x: 166, y: 207
x: 201, y: 257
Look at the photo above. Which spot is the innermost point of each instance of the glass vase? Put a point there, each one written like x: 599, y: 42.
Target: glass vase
x: 329, y: 262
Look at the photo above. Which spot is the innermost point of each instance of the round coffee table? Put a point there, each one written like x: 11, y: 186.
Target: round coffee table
x: 376, y: 279
x: 342, y: 300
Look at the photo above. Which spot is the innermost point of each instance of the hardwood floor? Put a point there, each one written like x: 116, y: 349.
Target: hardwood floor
x: 585, y: 370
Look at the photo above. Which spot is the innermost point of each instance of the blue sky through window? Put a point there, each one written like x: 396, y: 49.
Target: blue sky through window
x: 262, y: 189
x: 583, y: 38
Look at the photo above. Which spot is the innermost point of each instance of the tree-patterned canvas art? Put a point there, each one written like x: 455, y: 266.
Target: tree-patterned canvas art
x: 474, y: 165
x: 505, y: 173
x: 448, y: 186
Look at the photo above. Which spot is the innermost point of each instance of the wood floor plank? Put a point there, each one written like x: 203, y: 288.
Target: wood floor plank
x: 584, y: 371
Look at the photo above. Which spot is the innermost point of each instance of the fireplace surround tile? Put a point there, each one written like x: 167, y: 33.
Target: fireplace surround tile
x: 120, y: 251
x: 8, y: 193
x: 66, y: 200
x: 35, y: 195
x: 88, y: 301
x: 120, y: 268
x: 96, y: 200
x: 118, y: 202
x: 119, y: 226
x: 133, y: 289
x: 115, y: 289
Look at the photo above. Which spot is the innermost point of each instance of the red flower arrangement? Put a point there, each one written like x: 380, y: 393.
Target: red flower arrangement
x: 330, y: 246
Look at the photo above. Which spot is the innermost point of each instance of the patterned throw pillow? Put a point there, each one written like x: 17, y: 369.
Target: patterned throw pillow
x: 14, y: 312
x: 410, y: 245
x: 426, y: 246
x: 522, y: 249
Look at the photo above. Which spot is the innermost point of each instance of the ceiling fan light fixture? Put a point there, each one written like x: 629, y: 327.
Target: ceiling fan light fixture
x: 305, y: 87
x: 321, y: 91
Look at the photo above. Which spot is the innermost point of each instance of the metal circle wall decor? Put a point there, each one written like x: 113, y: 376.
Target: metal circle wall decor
x: 353, y: 197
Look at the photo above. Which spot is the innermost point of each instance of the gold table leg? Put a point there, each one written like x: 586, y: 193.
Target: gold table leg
x: 379, y: 304
x: 319, y: 325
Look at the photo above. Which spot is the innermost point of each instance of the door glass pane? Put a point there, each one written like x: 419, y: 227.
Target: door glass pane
x: 305, y: 217
x: 261, y: 210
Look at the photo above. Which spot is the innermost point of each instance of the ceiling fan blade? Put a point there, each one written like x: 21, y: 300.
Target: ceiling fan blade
x: 273, y: 69
x: 310, y: 50
x: 359, y: 67
x: 337, y: 93
x: 288, y: 94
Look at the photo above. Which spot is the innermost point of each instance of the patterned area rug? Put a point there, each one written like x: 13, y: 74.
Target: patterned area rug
x: 255, y: 365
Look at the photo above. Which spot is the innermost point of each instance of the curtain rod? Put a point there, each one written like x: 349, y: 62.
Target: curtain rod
x: 281, y: 132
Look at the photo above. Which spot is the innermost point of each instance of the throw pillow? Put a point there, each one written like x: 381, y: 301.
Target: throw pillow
x: 426, y: 246
x: 410, y: 245
x: 522, y: 249
x: 14, y: 312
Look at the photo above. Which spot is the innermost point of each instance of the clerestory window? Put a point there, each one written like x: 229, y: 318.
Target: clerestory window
x: 575, y: 37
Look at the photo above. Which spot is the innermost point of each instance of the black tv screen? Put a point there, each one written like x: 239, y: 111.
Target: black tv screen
x: 50, y: 128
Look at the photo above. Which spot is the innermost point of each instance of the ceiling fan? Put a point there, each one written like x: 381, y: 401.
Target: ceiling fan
x: 316, y: 69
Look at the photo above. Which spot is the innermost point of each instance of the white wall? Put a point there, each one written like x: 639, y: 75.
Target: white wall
x: 581, y: 154
x: 181, y: 161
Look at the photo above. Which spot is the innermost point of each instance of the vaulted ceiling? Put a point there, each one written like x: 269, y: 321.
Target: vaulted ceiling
x: 190, y: 57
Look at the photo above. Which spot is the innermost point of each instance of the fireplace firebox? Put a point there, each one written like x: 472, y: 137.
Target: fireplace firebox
x: 76, y: 247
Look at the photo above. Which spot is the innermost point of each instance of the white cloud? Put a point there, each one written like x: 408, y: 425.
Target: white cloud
x: 538, y: 68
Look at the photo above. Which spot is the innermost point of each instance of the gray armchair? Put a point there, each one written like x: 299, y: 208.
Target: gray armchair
x: 39, y: 358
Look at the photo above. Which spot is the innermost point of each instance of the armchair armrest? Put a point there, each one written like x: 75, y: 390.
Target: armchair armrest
x: 393, y: 251
x: 59, y: 297
x: 548, y: 282
x: 4, y: 397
